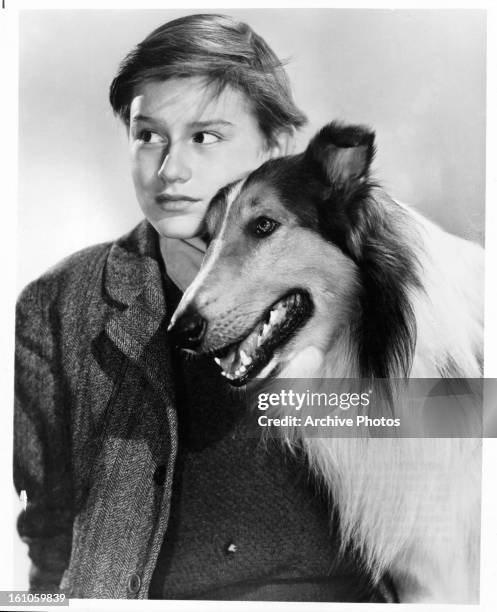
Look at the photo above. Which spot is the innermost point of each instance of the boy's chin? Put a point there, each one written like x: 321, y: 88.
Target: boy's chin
x: 182, y: 227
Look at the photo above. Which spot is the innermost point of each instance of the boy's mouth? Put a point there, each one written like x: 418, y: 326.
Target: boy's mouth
x: 170, y: 197
x: 243, y: 360
x: 175, y: 203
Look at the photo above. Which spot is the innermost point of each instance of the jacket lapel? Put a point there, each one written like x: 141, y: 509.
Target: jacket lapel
x: 134, y: 283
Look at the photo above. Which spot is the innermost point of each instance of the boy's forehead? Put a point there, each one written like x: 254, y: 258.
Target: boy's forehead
x: 189, y: 99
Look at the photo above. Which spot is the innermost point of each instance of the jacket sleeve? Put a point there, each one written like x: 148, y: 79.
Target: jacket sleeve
x: 42, y: 464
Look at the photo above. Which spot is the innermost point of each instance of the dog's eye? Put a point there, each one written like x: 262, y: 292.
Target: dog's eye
x: 264, y: 226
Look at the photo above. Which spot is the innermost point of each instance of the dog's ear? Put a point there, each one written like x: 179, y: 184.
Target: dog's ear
x: 342, y: 154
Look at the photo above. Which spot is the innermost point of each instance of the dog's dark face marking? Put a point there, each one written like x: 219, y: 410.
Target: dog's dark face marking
x: 307, y: 235
x: 324, y: 188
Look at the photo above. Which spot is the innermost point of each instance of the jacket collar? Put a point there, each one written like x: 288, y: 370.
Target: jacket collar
x: 134, y: 266
x: 134, y: 286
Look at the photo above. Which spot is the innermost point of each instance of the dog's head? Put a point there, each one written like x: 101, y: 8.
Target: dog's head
x: 282, y: 272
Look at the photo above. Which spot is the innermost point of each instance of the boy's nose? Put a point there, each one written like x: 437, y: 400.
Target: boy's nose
x: 188, y: 330
x: 175, y: 166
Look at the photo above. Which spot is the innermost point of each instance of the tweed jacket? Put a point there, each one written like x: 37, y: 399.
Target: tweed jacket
x: 95, y: 419
x: 96, y: 436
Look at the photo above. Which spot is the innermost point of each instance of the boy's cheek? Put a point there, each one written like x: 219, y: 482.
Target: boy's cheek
x: 143, y: 176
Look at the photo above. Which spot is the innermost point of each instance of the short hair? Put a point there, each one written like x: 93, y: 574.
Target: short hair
x: 225, y: 52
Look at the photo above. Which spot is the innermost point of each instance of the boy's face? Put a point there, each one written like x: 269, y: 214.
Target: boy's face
x: 185, y: 145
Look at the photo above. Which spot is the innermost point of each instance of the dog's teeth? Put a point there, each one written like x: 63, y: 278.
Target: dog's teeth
x: 223, y: 373
x: 241, y: 370
x: 276, y: 315
x: 217, y: 360
x: 246, y: 360
x: 265, y: 329
x: 259, y: 340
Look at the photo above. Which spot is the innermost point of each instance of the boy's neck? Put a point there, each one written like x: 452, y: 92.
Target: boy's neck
x: 182, y: 258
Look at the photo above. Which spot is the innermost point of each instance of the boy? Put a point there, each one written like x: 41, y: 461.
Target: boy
x: 143, y: 478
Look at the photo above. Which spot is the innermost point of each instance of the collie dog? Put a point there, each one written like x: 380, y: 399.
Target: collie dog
x: 313, y: 270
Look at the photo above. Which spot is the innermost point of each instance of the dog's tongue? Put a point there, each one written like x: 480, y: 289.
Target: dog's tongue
x: 236, y: 361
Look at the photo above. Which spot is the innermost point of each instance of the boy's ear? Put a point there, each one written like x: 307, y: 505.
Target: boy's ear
x: 342, y: 153
x: 282, y: 143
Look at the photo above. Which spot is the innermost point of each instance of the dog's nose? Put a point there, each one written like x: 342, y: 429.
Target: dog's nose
x: 188, y: 330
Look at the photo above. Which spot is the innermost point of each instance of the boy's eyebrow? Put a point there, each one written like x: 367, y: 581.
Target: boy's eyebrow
x: 199, y: 125
x: 194, y: 125
x: 141, y: 118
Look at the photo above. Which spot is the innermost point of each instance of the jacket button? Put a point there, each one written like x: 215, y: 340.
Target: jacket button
x: 160, y: 475
x: 134, y: 584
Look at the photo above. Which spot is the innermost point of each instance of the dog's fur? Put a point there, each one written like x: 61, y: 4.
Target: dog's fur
x: 393, y: 296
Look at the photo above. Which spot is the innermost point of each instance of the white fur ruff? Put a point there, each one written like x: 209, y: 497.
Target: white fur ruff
x: 412, y: 505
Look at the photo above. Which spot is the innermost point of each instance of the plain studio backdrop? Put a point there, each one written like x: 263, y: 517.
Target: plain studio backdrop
x: 416, y: 77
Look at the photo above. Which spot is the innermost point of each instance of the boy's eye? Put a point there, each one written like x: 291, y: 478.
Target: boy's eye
x: 205, y: 138
x: 264, y: 226
x: 149, y: 137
